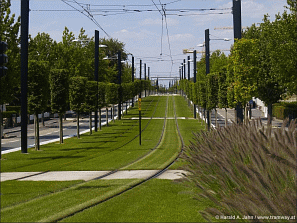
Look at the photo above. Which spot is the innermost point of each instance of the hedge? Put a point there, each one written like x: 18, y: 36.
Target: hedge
x: 16, y: 109
x: 285, y: 110
x: 8, y: 114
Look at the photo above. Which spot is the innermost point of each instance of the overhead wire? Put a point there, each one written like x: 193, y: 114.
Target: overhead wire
x: 89, y: 10
x: 164, y: 13
x: 87, y: 15
x: 162, y: 25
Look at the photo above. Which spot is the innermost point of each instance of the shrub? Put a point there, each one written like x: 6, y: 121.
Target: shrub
x: 285, y: 110
x: 245, y: 170
x: 16, y: 109
x: 8, y: 114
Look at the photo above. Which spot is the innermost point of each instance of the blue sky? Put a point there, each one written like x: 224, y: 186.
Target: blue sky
x: 140, y: 27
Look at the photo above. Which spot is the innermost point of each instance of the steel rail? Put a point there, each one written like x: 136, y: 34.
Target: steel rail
x: 143, y: 181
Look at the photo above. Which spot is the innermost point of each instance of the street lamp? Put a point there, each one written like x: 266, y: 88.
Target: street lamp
x: 207, y: 55
x: 188, y: 67
x: 96, y: 71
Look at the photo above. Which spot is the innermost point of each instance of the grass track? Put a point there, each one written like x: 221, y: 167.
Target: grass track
x: 155, y: 201
x: 87, y: 193
x: 90, y: 152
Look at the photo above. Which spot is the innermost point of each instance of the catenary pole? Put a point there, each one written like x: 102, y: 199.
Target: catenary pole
x: 119, y: 83
x: 207, y: 68
x: 194, y: 74
x: 96, y: 76
x: 237, y: 35
x: 24, y: 72
x: 133, y: 78
x: 189, y: 68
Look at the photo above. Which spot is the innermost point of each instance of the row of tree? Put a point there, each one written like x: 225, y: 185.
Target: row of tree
x: 73, y: 53
x: 77, y: 93
x: 61, y: 74
x: 263, y: 64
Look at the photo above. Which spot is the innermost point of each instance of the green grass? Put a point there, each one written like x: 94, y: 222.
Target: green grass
x: 160, y: 111
x: 158, y: 200
x: 182, y: 109
x: 51, y: 207
x: 163, y: 154
x: 15, y: 192
x: 99, y: 151
x: 155, y: 201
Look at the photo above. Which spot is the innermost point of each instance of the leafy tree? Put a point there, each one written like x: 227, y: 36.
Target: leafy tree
x: 222, y: 92
x: 90, y: 100
x: 244, y: 58
x: 201, y: 89
x: 113, y: 47
x: 127, y: 91
x: 282, y: 48
x: 59, y: 86
x: 277, y: 58
x: 40, y: 47
x: 64, y: 52
x: 77, y: 93
x: 293, y: 5
x: 83, y: 58
x: 212, y: 92
x: 112, y: 95
x: 38, y: 92
x: 9, y: 32
x: 111, y: 51
x: 230, y: 83
x: 101, y: 99
x: 136, y: 87
x: 218, y: 60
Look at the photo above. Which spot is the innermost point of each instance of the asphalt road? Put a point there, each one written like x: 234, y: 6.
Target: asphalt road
x: 49, y: 132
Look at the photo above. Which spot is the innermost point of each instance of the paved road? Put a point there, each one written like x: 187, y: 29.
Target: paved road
x: 49, y: 132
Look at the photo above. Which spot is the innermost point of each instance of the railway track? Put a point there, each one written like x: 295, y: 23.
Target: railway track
x: 117, y: 148
x: 140, y: 182
x: 130, y: 186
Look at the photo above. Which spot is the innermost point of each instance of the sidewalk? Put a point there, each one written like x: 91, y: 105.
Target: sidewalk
x: 89, y: 175
x: 256, y: 114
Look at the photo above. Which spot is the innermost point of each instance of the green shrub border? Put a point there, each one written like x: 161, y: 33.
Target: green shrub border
x: 285, y: 110
x: 15, y: 109
x: 8, y: 114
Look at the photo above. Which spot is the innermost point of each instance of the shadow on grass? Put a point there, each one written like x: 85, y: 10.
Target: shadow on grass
x: 90, y: 148
x: 94, y: 187
x: 56, y: 157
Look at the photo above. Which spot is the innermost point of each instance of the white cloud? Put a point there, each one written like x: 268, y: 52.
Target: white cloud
x: 182, y: 37
x: 158, y: 21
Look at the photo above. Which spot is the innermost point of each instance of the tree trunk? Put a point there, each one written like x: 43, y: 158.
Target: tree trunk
x: 216, y: 117
x: 208, y: 120
x: 106, y: 112
x: 246, y: 118
x: 269, y: 122
x: 77, y: 125
x: 90, y: 122
x: 126, y: 108
x: 1, y: 132
x: 42, y: 119
x: 36, y: 132
x: 99, y: 118
x: 61, y: 127
x: 113, y: 113
x: 226, y: 119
